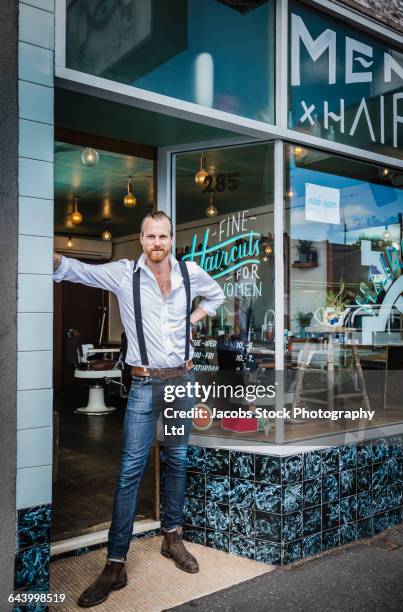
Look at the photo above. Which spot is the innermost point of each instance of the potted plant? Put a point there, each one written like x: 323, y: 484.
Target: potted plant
x: 304, y: 249
x: 335, y: 310
x: 304, y: 319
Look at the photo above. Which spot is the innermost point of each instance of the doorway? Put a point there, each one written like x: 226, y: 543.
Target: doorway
x: 87, y: 446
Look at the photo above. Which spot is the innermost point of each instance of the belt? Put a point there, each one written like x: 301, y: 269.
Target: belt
x: 162, y: 373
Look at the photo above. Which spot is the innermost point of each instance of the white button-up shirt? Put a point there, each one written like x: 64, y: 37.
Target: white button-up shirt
x: 163, y: 317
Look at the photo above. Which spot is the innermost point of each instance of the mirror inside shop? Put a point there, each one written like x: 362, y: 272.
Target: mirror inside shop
x: 342, y: 291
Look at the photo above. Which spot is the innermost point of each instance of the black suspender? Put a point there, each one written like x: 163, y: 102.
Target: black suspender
x: 138, y: 316
x: 186, y: 282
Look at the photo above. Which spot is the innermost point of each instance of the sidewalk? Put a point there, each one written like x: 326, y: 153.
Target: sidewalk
x: 363, y: 576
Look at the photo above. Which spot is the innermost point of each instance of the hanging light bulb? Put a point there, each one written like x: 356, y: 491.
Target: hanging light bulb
x: 130, y: 199
x: 202, y: 173
x: 106, y: 234
x: 385, y: 173
x: 69, y: 242
x: 268, y: 250
x: 299, y: 151
x: 89, y: 157
x: 76, y: 216
x: 387, y: 234
x: 265, y: 258
x: 211, y: 210
x: 289, y: 194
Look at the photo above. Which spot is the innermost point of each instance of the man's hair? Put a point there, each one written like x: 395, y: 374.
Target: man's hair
x: 157, y: 215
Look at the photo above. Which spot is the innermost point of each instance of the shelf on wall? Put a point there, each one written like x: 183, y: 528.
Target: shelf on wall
x: 305, y: 266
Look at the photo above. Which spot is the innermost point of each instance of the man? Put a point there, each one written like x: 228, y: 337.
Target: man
x: 154, y: 297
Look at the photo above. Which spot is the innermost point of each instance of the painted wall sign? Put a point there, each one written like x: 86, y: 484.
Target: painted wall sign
x: 344, y: 85
x: 322, y: 204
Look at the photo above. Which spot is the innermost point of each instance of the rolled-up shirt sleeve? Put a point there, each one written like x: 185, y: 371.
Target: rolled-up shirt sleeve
x: 109, y: 276
x: 211, y: 292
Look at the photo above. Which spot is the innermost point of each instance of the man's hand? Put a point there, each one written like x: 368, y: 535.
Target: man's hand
x: 197, y: 315
x: 57, y: 260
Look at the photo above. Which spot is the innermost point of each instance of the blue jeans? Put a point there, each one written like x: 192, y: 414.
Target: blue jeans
x: 145, y: 402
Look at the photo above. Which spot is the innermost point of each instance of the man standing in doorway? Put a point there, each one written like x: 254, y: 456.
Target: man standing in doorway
x: 154, y: 295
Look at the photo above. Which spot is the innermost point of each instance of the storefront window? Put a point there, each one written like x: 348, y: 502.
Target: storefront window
x: 344, y: 85
x: 344, y: 302
x: 216, y: 53
x: 226, y: 225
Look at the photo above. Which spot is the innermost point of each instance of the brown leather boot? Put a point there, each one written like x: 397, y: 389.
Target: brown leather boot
x: 112, y: 578
x: 173, y: 548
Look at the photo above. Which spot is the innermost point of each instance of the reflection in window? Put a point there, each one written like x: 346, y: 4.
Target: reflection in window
x: 344, y: 319
x: 226, y: 224
x: 215, y: 53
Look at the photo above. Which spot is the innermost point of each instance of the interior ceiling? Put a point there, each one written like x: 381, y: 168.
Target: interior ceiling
x: 100, y: 190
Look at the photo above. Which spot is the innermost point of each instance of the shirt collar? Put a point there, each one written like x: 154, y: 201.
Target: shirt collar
x: 176, y: 276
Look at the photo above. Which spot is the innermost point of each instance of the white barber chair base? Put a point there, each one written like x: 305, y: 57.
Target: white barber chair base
x: 96, y: 401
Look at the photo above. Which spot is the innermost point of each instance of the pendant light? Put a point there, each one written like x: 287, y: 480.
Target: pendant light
x: 211, y: 210
x: 130, y: 200
x: 89, y: 157
x: 268, y: 250
x: 76, y: 216
x: 201, y: 173
x: 69, y: 242
x: 106, y: 234
x: 387, y: 234
x: 299, y: 152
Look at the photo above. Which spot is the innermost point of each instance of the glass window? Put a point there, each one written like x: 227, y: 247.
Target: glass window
x: 216, y: 53
x: 225, y: 224
x: 344, y: 85
x: 344, y: 303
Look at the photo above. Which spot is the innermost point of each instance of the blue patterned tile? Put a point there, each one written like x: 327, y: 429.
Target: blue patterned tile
x: 195, y: 485
x: 268, y: 526
x: 348, y: 510
x: 292, y: 552
x: 194, y: 534
x: 217, y: 489
x: 218, y: 540
x: 244, y: 547
x: 364, y: 455
x: 217, y: 516
x: 268, y: 497
x: 394, y: 517
x: 32, y: 567
x: 348, y: 483
x: 242, y: 521
x: 330, y: 460
x: 292, y: 498
x: 34, y: 607
x: 379, y: 499
x: 34, y: 526
x: 193, y: 512
x: 291, y: 526
x: 394, y: 471
x: 379, y: 475
x: 242, y: 465
x: 197, y: 459
x: 394, y: 446
x: 348, y: 456
x: 394, y: 496
x: 365, y: 528
x: 364, y: 505
x: 312, y: 545
x: 381, y: 522
x: 267, y: 552
x: 380, y: 450
x: 330, y: 488
x: 291, y: 469
x: 242, y: 493
x: 312, y: 518
x: 268, y: 469
x: 364, y: 479
x: 312, y: 465
x: 217, y: 461
x: 330, y: 539
x: 312, y: 492
x: 330, y: 515
x: 348, y: 533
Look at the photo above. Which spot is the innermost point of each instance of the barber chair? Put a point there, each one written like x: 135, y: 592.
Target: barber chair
x: 97, y: 366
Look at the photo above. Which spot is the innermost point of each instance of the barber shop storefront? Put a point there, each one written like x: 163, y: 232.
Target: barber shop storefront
x: 271, y: 133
